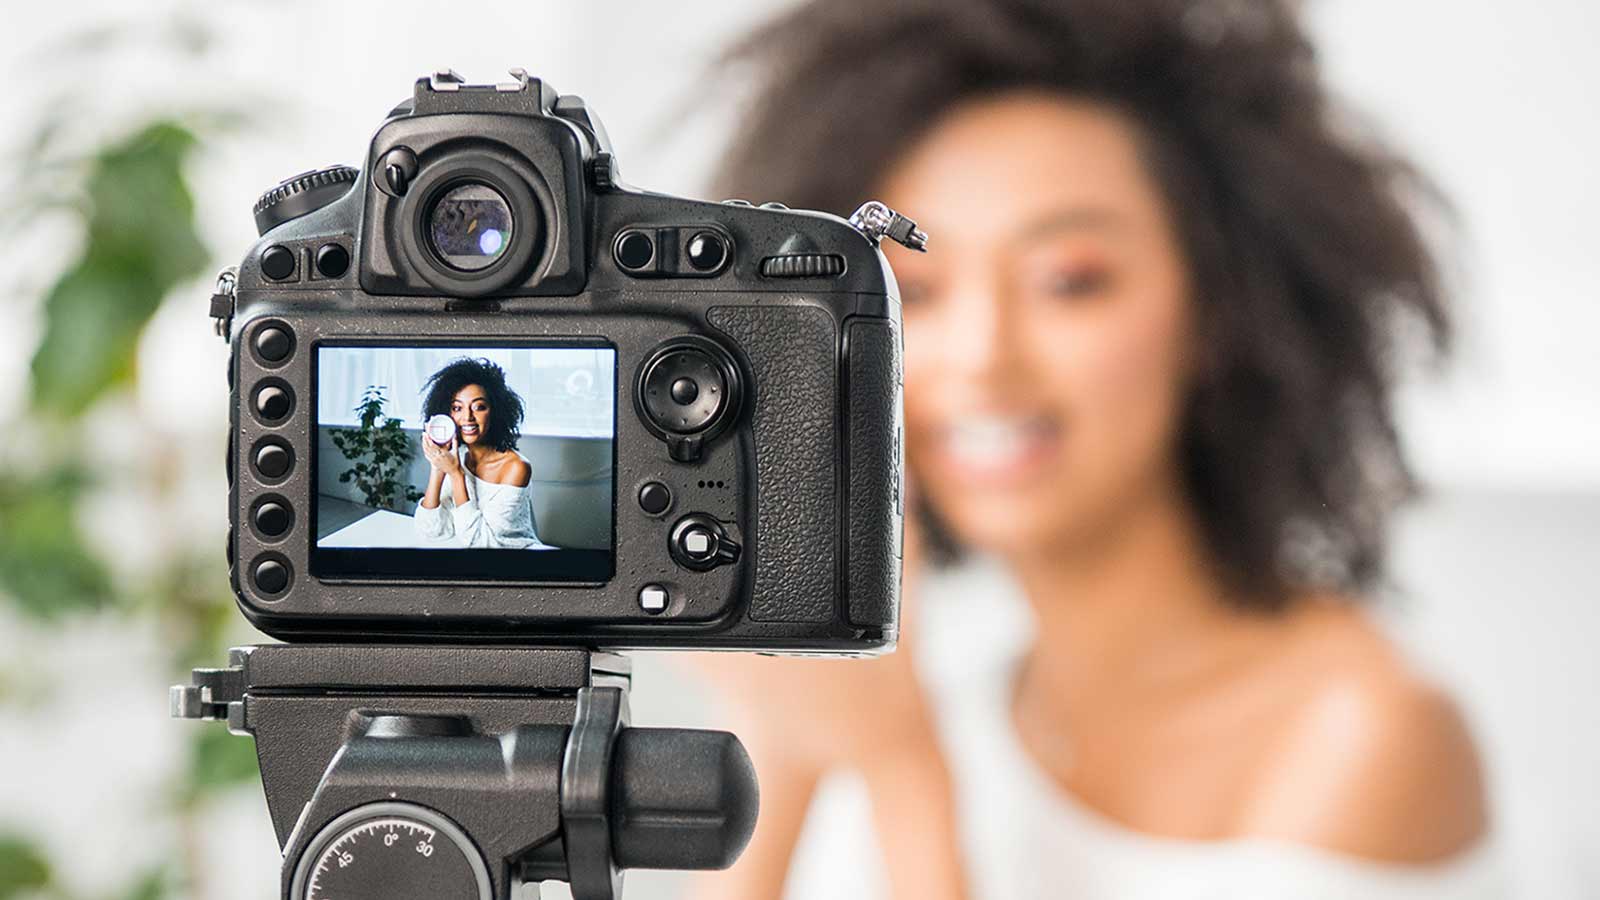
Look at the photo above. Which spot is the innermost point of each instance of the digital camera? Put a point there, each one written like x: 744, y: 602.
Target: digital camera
x: 671, y: 423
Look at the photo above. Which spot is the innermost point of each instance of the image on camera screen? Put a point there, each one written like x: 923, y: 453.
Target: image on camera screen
x: 465, y: 462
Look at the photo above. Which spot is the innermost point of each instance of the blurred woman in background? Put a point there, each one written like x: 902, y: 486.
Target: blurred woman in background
x: 1149, y: 364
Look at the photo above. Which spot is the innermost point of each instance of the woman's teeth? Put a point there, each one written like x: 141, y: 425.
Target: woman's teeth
x: 995, y: 443
x: 469, y: 429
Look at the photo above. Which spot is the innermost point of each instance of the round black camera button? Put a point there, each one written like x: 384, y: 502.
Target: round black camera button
x: 333, y: 260
x: 273, y: 344
x: 654, y: 498
x: 707, y: 251
x: 272, y: 518
x: 684, y: 391
x: 273, y: 403
x: 277, y: 262
x: 634, y: 250
x: 271, y: 576
x: 272, y: 460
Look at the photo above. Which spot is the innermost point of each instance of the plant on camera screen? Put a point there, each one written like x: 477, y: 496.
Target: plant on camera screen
x: 379, y: 451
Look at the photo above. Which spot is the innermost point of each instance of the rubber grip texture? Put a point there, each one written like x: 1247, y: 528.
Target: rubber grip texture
x: 873, y: 501
x: 793, y: 356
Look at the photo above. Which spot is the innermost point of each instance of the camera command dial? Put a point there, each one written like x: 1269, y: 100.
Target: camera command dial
x: 391, y: 851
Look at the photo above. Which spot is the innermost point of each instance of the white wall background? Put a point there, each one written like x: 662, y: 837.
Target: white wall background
x: 568, y: 391
x: 1495, y: 99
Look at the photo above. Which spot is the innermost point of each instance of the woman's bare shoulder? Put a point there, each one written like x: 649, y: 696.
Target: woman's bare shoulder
x: 1371, y: 759
x: 512, y: 470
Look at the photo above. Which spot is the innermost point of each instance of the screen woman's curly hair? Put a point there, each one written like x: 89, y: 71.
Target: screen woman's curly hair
x: 1300, y: 235
x: 505, y: 407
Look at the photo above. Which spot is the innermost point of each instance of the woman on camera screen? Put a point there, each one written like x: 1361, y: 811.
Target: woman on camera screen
x: 1149, y: 364
x: 479, y: 471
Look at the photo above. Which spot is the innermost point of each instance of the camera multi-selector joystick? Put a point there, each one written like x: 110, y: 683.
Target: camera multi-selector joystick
x: 689, y: 391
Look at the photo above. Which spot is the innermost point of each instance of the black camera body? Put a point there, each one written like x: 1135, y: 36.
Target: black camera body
x: 746, y: 360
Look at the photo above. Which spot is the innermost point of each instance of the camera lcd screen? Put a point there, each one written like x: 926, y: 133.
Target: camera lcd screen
x: 465, y: 463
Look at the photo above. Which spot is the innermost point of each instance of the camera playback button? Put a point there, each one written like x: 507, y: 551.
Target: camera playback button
x: 273, y: 344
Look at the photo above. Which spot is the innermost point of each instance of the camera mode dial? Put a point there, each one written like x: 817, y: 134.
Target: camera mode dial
x: 301, y: 194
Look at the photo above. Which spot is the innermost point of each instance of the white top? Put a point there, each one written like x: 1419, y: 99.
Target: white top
x: 1026, y: 839
x: 497, y: 516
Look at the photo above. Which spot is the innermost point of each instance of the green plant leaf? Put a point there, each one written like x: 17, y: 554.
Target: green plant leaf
x: 23, y: 867
x: 45, y: 566
x: 142, y: 242
x: 195, y: 606
x: 153, y: 884
x: 219, y: 760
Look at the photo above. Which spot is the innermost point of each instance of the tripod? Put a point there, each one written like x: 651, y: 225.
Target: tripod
x: 445, y: 772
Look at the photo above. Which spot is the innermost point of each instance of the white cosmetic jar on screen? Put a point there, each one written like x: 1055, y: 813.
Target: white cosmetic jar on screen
x: 440, y: 429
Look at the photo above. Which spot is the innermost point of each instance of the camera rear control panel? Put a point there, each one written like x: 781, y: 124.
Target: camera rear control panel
x: 687, y: 391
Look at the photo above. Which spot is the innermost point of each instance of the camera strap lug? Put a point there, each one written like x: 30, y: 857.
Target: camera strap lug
x: 877, y: 221
x: 603, y: 171
x: 222, y: 301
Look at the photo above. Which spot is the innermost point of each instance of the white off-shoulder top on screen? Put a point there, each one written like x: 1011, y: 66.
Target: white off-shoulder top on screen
x: 494, y: 516
x: 1026, y: 839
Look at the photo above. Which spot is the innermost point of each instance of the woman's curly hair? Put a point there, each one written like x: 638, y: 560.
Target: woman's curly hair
x: 1302, y: 237
x: 505, y: 407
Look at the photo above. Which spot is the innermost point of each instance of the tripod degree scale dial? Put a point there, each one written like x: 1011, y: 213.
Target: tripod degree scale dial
x: 391, y: 851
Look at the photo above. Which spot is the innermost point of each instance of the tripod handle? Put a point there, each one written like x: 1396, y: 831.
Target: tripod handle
x: 681, y: 799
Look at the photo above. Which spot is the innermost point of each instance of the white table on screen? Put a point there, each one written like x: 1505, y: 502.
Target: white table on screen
x: 386, y: 529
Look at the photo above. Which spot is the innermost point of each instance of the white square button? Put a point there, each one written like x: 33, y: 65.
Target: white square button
x: 653, y: 598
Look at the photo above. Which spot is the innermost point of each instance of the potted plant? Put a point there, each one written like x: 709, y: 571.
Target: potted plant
x: 379, y: 452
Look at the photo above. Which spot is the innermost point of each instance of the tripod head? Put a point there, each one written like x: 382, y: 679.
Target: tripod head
x: 394, y: 773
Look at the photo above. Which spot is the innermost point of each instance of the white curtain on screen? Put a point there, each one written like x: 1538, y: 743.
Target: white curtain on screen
x: 566, y: 391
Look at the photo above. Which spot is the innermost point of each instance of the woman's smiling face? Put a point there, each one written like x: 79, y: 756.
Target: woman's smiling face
x: 470, y: 410
x: 1048, y: 329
